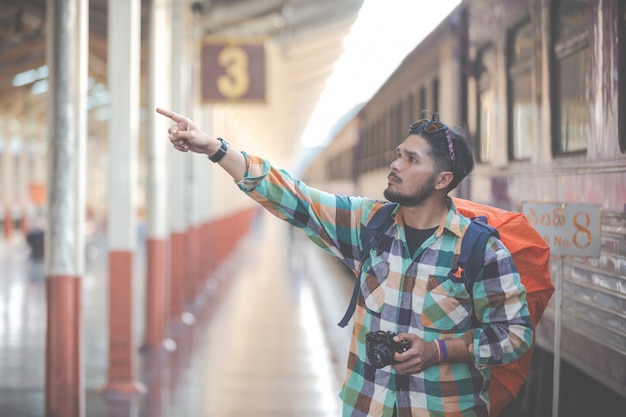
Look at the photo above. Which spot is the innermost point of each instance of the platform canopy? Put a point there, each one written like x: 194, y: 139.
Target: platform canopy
x: 304, y: 38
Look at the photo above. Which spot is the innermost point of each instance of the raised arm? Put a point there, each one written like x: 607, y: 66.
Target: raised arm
x: 186, y: 136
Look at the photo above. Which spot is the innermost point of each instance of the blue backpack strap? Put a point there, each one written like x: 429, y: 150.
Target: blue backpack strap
x: 473, y: 249
x: 370, y: 236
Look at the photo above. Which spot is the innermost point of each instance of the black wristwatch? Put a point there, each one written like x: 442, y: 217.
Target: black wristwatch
x: 221, y: 152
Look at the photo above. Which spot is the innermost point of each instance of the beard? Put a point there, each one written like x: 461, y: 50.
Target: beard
x: 412, y: 200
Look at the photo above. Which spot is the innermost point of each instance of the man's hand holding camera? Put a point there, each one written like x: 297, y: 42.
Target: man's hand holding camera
x: 405, y: 352
x: 420, y: 356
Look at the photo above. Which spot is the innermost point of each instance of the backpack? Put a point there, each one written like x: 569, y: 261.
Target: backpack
x: 531, y: 256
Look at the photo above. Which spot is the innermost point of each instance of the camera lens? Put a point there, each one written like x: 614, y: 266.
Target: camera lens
x: 380, y: 356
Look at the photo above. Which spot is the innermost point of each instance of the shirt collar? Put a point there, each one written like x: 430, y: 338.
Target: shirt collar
x: 453, y: 223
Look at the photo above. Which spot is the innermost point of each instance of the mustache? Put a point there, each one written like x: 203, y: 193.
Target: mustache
x: 394, y: 176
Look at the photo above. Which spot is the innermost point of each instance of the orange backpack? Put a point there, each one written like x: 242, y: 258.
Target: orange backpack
x: 531, y: 256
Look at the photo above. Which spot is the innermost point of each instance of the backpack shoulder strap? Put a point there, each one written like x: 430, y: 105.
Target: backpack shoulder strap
x: 473, y: 248
x: 374, y: 229
x: 370, y: 236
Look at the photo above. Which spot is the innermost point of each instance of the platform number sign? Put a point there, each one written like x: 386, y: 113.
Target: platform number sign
x: 233, y: 71
x: 568, y: 228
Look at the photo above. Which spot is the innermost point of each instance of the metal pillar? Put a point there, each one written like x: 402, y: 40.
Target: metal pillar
x: 67, y: 23
x: 158, y: 147
x: 181, y: 92
x: 124, y: 72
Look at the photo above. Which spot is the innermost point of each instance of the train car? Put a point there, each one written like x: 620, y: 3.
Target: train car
x: 536, y: 84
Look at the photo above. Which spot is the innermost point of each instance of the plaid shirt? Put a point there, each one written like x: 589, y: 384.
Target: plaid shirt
x: 409, y: 294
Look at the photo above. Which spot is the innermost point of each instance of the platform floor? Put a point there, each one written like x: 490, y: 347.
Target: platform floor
x: 260, y: 339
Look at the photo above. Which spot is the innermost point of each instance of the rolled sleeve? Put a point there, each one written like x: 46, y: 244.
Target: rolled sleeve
x: 256, y: 171
x: 506, y: 332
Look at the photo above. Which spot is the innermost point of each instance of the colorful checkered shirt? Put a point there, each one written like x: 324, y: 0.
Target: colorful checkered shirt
x: 409, y: 294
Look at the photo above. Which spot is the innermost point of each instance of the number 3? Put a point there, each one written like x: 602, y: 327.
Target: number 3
x: 236, y: 81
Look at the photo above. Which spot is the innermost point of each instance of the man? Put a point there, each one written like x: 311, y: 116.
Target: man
x: 408, y: 286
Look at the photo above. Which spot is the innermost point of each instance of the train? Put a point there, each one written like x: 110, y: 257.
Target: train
x: 536, y: 86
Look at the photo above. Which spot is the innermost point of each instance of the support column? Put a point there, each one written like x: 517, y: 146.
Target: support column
x: 181, y: 76
x: 199, y: 167
x: 197, y: 173
x: 157, y: 279
x: 67, y: 51
x: 124, y: 69
x: 24, y: 175
x: 205, y: 206
x: 207, y: 245
x: 8, y: 177
x: 23, y: 193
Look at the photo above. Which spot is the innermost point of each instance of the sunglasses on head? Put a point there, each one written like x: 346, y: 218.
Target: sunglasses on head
x: 433, y: 126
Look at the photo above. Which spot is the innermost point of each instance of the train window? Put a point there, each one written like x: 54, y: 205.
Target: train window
x: 423, y: 105
x: 521, y: 120
x: 396, y: 125
x: 340, y: 167
x: 486, y: 103
x: 571, y: 57
x: 389, y: 139
x: 409, y: 114
x: 369, y: 150
x: 362, y: 148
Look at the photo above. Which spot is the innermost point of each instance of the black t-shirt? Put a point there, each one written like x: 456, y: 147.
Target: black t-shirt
x: 415, y: 237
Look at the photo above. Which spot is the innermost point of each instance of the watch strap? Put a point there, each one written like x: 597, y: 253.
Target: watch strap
x: 221, y: 152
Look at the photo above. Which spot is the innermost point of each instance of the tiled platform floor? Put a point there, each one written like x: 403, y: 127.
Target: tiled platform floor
x: 259, y: 345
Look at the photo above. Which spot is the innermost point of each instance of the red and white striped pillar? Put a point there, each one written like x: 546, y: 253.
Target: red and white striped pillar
x: 124, y: 73
x: 198, y: 254
x: 67, y: 51
x: 157, y: 233
x: 181, y: 92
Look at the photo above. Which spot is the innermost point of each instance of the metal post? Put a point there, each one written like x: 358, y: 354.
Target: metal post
x: 157, y: 279
x: 181, y: 76
x: 67, y: 51
x: 124, y: 73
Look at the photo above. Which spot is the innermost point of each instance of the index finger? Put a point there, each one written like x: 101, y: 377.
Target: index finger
x: 168, y: 113
x: 405, y: 336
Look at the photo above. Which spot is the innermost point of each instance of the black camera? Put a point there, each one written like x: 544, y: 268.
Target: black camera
x: 380, y: 348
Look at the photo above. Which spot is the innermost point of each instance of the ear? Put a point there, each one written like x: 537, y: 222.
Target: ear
x: 443, y: 180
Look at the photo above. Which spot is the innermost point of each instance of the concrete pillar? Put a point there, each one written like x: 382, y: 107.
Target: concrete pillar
x: 192, y: 279
x: 67, y: 51
x: 157, y: 199
x: 124, y: 72
x: 208, y: 246
x: 199, y: 253
x: 199, y: 167
x: 181, y: 91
